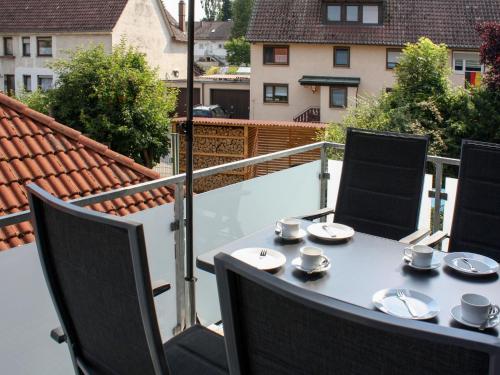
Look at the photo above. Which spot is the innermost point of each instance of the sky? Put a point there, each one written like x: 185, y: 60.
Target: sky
x: 173, y: 7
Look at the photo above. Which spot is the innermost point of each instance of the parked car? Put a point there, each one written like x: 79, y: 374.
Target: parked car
x: 210, y: 111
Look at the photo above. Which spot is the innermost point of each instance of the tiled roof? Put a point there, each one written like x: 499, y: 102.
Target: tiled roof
x: 213, y: 30
x: 69, y: 16
x: 444, y: 21
x: 253, y: 123
x: 34, y: 148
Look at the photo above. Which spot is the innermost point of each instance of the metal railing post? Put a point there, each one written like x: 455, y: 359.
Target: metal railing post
x: 438, y: 183
x: 175, y: 153
x: 180, y: 258
x: 324, y: 177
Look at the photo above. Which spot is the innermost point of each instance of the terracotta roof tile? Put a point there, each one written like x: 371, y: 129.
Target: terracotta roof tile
x: 35, y: 148
x: 444, y: 21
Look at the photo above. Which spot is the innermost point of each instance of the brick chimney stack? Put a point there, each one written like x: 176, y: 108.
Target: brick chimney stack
x: 182, y: 15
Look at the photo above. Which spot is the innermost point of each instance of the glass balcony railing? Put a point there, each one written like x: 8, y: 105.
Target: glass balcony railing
x: 220, y: 216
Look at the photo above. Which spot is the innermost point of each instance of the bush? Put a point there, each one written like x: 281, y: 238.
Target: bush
x: 238, y: 51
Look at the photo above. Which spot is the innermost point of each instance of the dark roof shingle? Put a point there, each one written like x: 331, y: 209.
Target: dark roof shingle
x: 34, y: 148
x: 216, y: 30
x: 443, y: 21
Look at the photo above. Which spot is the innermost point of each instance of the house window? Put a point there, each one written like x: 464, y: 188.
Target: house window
x: 275, y: 93
x: 352, y: 13
x: 44, y: 46
x: 8, y: 47
x: 334, y: 13
x: 45, y: 82
x: 26, y: 46
x: 466, y: 62
x: 338, y: 97
x: 9, y: 83
x: 393, y: 56
x: 370, y: 14
x: 276, y: 55
x: 27, y: 83
x: 341, y: 57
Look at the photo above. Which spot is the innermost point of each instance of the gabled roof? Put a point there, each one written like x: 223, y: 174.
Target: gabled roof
x: 213, y: 30
x: 443, y: 21
x: 70, y: 16
x: 34, y: 148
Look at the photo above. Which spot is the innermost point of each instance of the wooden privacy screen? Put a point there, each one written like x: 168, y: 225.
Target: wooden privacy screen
x: 221, y: 141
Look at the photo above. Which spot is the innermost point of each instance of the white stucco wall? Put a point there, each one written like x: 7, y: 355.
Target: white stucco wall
x: 143, y: 26
x: 366, y: 62
x: 39, y: 66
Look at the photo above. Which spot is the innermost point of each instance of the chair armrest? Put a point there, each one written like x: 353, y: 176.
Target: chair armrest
x: 159, y: 287
x: 58, y: 335
x: 415, y: 236
x: 317, y: 214
x: 434, y: 239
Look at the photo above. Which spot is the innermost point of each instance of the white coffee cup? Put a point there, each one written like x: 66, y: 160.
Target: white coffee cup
x: 477, y: 309
x: 312, y: 257
x: 288, y: 227
x: 419, y: 255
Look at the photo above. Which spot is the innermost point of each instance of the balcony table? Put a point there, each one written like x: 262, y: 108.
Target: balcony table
x: 364, y: 265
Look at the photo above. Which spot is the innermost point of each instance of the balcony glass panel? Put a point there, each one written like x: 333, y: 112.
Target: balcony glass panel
x: 226, y: 214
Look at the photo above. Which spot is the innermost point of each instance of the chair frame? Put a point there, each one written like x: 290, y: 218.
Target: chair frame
x: 226, y: 266
x: 439, y: 236
x: 141, y: 277
x: 411, y: 238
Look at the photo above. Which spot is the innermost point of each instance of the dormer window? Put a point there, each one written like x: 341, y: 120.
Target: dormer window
x: 334, y: 13
x: 370, y: 14
x: 352, y: 13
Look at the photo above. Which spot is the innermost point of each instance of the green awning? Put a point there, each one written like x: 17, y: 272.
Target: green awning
x: 329, y: 81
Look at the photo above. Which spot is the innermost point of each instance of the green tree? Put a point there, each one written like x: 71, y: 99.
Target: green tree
x: 226, y: 11
x: 238, y: 51
x: 242, y: 11
x: 421, y: 102
x: 116, y: 99
x: 212, y: 9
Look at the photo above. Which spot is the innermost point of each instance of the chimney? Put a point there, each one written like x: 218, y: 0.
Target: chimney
x: 182, y: 15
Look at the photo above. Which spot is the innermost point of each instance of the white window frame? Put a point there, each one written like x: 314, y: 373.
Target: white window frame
x: 464, y: 67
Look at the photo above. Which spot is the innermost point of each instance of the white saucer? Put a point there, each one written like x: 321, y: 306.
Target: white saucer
x: 483, y: 264
x: 301, y: 235
x: 456, y: 313
x: 332, y: 231
x: 386, y: 300
x: 434, y: 264
x: 272, y: 260
x: 297, y: 263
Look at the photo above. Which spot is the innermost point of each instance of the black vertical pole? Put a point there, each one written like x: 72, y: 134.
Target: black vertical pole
x: 191, y: 318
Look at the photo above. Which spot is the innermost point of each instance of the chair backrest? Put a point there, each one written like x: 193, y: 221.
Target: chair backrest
x: 273, y: 327
x: 476, y: 219
x: 96, y: 270
x: 381, y: 183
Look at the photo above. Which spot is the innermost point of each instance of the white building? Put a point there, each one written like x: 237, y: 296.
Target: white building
x: 209, y: 40
x: 35, y: 33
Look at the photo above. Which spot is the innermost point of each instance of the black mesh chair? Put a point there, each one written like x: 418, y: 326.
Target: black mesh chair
x: 476, y: 218
x: 381, y: 184
x: 273, y: 327
x: 97, y: 273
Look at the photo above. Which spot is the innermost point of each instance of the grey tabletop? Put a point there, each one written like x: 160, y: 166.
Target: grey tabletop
x: 364, y: 265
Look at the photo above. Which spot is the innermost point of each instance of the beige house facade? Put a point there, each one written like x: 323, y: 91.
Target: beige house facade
x: 371, y: 65
x: 27, y: 50
x: 335, y: 53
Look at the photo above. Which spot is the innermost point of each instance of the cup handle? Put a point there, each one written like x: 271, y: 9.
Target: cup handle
x: 494, y: 311
x: 407, y: 253
x: 278, y: 228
